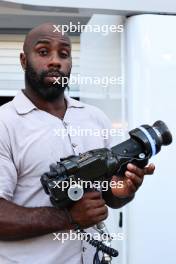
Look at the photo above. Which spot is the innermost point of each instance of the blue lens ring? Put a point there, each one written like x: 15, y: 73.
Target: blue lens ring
x: 150, y: 139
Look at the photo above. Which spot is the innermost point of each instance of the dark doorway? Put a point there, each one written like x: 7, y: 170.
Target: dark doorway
x: 5, y: 99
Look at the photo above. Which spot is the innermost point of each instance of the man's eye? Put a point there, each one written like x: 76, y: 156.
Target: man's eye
x: 43, y: 52
x: 64, y: 54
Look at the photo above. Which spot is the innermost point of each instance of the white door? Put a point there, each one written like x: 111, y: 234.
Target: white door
x: 151, y: 83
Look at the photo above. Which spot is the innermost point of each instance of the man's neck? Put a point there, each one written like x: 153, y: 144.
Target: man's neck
x: 56, y: 108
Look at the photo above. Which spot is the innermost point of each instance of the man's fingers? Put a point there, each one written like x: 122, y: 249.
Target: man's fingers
x: 137, y: 181
x: 149, y: 169
x: 90, y: 204
x: 134, y: 169
x: 100, y: 211
x: 92, y: 195
x: 141, y: 172
x: 102, y: 218
x: 131, y: 186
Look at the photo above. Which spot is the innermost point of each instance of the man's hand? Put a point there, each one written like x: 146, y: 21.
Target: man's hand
x: 90, y: 210
x: 131, y: 181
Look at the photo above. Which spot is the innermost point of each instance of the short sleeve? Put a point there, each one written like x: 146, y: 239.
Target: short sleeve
x: 8, y: 173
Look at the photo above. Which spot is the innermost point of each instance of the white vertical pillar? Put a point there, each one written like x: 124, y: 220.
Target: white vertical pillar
x: 101, y: 58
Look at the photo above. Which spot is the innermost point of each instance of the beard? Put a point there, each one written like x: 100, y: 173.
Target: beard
x: 49, y: 91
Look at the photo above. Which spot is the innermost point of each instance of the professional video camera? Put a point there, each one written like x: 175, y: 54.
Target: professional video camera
x: 102, y: 164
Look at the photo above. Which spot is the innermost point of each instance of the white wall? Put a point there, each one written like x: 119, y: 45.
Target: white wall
x: 151, y: 82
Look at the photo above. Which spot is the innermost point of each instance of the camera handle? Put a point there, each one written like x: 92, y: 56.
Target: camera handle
x: 104, y: 246
x: 108, y: 252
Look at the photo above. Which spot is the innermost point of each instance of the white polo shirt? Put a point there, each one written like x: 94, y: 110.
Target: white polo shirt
x: 30, y: 140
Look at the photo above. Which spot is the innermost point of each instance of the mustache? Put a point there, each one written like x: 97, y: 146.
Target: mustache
x: 53, y: 72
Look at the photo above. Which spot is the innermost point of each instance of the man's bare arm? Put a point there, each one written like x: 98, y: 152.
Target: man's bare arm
x: 19, y: 222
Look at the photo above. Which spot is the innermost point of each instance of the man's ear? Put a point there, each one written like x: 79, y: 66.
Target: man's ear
x: 23, y: 60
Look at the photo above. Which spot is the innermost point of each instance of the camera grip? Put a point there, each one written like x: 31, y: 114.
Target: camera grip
x: 123, y: 162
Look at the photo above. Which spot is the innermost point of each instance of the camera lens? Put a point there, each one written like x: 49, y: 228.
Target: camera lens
x: 163, y: 132
x: 152, y: 138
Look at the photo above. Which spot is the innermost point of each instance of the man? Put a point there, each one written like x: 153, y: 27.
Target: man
x: 28, y: 145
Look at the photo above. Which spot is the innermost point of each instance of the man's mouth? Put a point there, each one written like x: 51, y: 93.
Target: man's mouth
x: 53, y: 76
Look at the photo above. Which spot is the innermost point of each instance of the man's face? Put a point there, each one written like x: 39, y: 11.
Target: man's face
x: 48, y: 62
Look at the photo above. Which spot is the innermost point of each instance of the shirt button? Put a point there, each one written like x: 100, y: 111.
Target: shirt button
x: 74, y: 145
x: 65, y: 124
x: 84, y: 249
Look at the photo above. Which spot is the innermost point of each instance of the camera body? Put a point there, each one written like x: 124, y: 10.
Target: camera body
x: 102, y: 164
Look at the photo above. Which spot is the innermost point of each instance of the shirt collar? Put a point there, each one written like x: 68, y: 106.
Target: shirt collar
x: 24, y: 105
x: 73, y: 103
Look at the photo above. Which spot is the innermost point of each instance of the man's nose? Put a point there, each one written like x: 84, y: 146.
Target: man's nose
x: 55, y: 60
